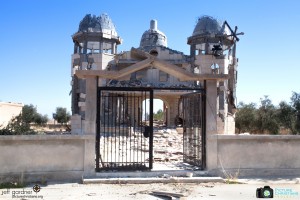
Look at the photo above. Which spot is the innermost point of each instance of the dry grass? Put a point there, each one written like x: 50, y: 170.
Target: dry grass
x: 231, y: 178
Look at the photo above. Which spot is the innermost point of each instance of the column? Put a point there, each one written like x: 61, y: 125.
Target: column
x: 113, y: 46
x: 91, y: 106
x: 75, y: 47
x: 100, y: 45
x: 193, y: 51
x: 85, y: 47
x: 90, y: 126
x: 211, y: 125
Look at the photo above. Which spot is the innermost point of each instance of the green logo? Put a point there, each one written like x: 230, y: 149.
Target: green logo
x: 267, y: 193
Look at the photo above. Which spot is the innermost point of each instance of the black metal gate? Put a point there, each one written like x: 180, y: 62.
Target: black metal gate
x: 193, y: 110
x: 124, y: 139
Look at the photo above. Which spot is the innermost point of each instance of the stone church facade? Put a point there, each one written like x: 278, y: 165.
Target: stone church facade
x: 211, y: 65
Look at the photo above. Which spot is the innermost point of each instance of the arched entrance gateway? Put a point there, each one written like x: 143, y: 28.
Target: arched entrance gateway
x: 113, y: 94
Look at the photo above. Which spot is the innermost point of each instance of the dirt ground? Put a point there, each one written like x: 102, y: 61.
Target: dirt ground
x: 284, y: 189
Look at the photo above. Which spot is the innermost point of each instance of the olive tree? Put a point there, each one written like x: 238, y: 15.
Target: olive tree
x: 296, y: 105
x: 245, y: 117
x: 61, y: 115
x: 30, y: 115
x: 286, y: 116
x: 266, y: 119
x: 20, y: 124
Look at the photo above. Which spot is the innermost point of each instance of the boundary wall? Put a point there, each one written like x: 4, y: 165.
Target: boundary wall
x: 254, y: 155
x: 71, y: 157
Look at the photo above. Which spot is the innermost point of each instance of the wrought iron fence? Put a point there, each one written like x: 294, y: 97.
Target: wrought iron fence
x: 193, y: 108
x: 124, y: 139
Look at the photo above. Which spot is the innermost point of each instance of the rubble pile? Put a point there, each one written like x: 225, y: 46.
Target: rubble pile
x: 167, y: 146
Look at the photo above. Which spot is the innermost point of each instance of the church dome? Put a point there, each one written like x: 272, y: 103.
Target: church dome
x: 103, y: 24
x: 153, y: 37
x: 209, y: 25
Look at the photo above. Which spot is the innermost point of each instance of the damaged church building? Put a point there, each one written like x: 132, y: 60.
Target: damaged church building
x: 113, y: 92
x: 113, y: 131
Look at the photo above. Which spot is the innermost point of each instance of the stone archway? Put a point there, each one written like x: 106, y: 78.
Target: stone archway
x: 158, y: 104
x: 171, y: 107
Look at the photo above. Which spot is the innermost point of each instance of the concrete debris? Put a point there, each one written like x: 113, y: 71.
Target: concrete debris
x: 168, y: 146
x: 167, y: 195
x: 91, y: 194
x: 164, y: 195
x: 166, y: 176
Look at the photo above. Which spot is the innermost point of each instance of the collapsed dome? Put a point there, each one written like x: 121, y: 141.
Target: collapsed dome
x: 153, y: 37
x: 209, y: 25
x: 103, y: 24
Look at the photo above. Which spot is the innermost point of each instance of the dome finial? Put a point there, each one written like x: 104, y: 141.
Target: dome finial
x: 153, y: 24
x: 153, y: 37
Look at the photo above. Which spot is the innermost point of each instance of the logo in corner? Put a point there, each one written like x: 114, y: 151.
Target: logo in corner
x: 36, y: 188
x: 265, y: 192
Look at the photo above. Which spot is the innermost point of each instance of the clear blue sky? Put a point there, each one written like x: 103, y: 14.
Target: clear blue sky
x: 36, y: 43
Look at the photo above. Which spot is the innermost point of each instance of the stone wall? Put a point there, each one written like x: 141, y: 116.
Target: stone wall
x: 69, y: 157
x: 36, y: 157
x: 255, y: 155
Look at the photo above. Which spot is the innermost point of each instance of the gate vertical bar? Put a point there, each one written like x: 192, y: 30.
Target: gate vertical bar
x: 143, y: 145
x: 134, y: 128
x: 203, y: 139
x: 151, y: 131
x: 128, y: 125
x: 111, y: 131
x: 104, y: 123
x: 138, y: 128
x: 98, y: 121
x: 115, y: 125
x: 184, y: 129
x: 107, y: 129
x: 120, y: 153
x: 130, y: 128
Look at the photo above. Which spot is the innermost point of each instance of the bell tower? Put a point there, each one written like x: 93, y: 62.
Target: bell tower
x: 213, y: 51
x: 95, y: 44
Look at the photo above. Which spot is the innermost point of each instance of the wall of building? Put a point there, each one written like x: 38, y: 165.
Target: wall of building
x: 8, y: 111
x: 255, y: 155
x: 56, y: 157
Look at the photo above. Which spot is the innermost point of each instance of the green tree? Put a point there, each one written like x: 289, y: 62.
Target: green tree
x: 29, y: 113
x: 40, y: 119
x: 266, y: 119
x: 286, y: 116
x: 17, y: 126
x: 61, y: 115
x: 296, y: 105
x: 245, y: 117
x: 20, y: 125
x: 159, y: 115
